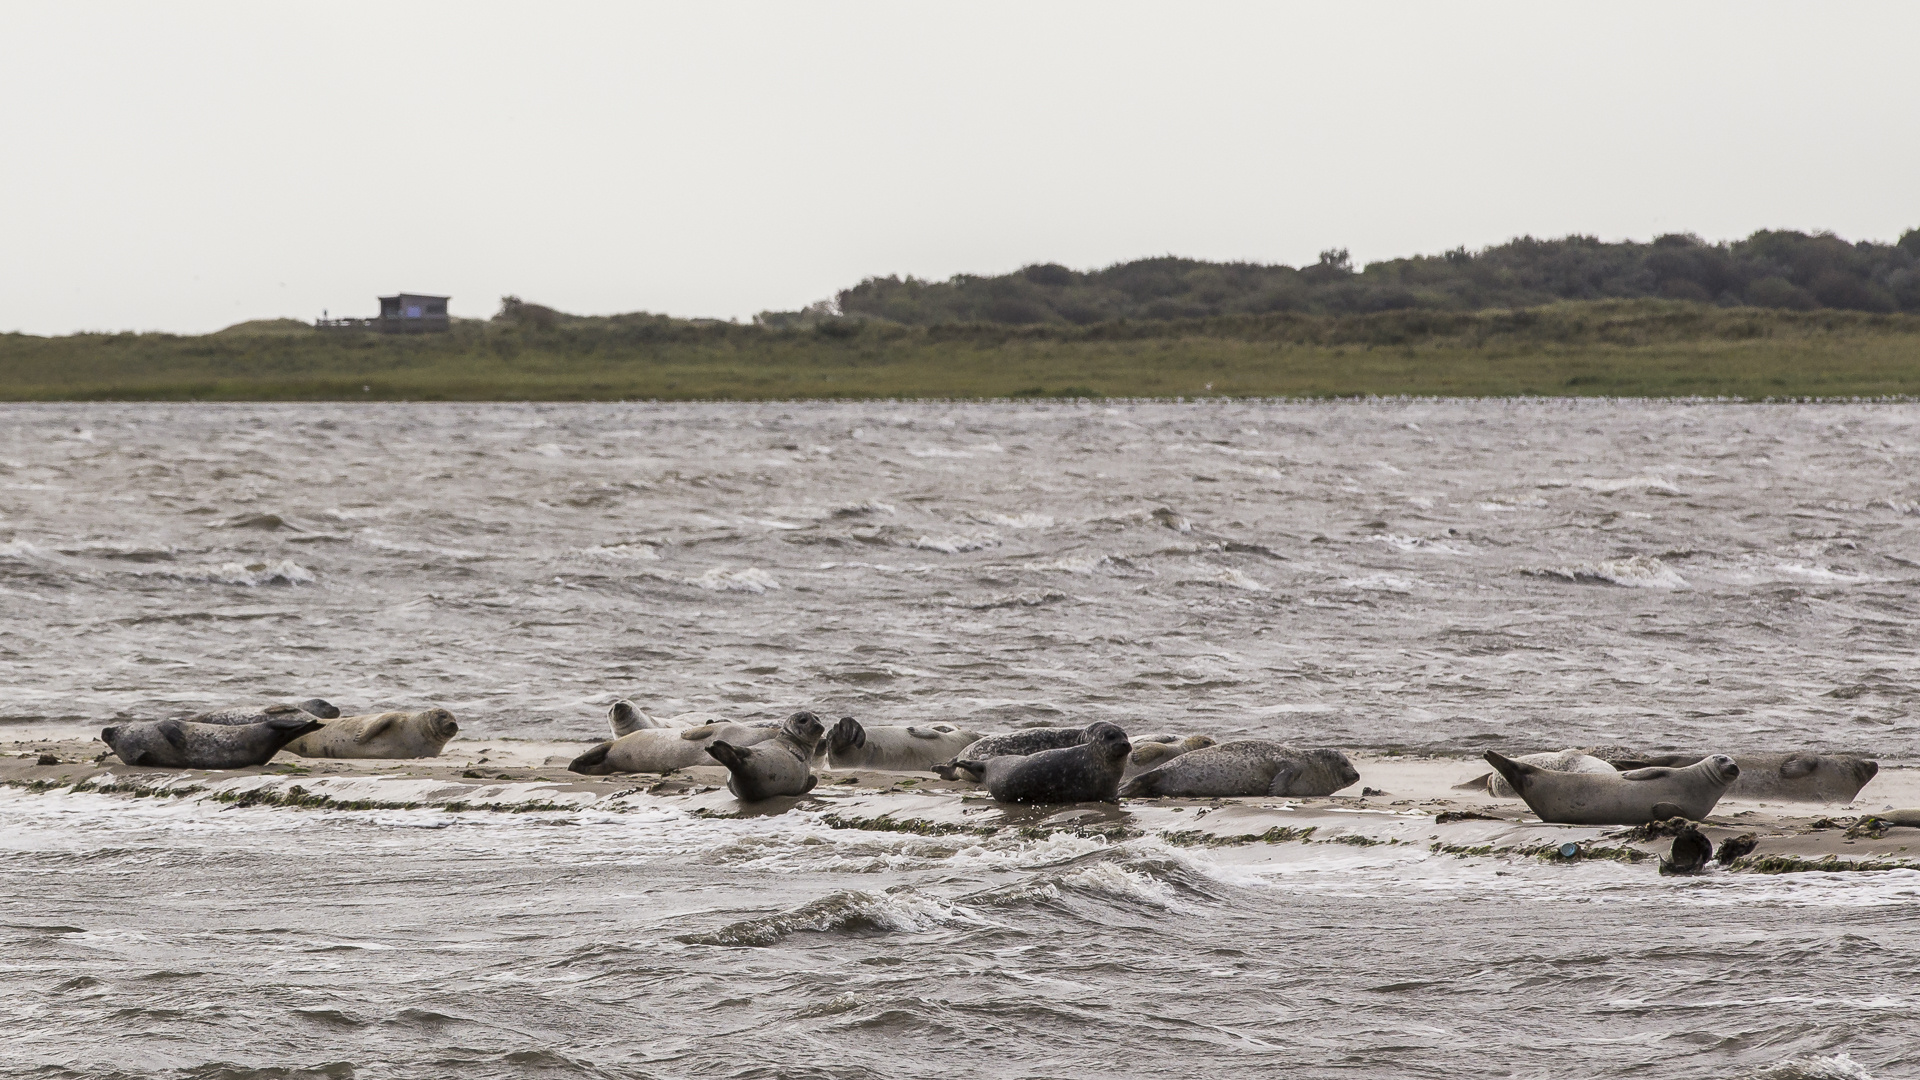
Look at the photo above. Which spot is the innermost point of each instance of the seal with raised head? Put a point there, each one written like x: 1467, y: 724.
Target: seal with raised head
x: 1152, y: 751
x: 663, y: 750
x: 782, y: 765
x: 1089, y: 772
x: 380, y: 735
x: 626, y: 718
x: 1625, y: 798
x: 319, y: 708
x: 853, y: 745
x: 183, y: 744
x: 1573, y: 761
x: 1246, y: 767
x: 1802, y: 776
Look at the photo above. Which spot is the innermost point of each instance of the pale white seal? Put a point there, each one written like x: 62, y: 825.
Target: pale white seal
x: 663, y: 750
x: 1802, y: 776
x: 1568, y: 761
x: 397, y: 734
x: 852, y: 745
x: 1629, y: 798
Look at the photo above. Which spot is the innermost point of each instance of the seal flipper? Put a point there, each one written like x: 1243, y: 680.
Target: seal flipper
x: 1283, y: 778
x: 846, y: 735
x: 302, y: 722
x: 176, y: 734
x: 1478, y: 783
x: 728, y: 754
x: 811, y: 780
x: 951, y: 770
x: 1656, y: 772
x: 1796, y: 766
x: 593, y: 762
x: 1663, y: 811
x: 698, y: 733
x: 380, y: 724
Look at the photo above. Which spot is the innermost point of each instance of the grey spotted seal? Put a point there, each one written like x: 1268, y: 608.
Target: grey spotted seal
x: 380, y: 735
x: 183, y: 744
x: 853, y: 745
x: 1801, y: 776
x: 782, y: 765
x: 1246, y: 767
x: 1570, y: 761
x: 663, y: 750
x: 1088, y: 772
x: 256, y: 714
x: 1625, y: 798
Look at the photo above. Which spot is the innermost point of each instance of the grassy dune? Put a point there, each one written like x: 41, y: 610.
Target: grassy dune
x: 1640, y: 348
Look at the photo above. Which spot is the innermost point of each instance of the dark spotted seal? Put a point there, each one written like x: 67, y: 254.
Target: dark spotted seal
x: 783, y: 765
x: 1089, y: 772
x: 1625, y: 798
x: 1015, y: 743
x: 1246, y: 767
x: 257, y: 714
x: 182, y: 744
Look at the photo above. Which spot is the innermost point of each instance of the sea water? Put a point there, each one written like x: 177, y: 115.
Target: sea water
x: 1421, y: 576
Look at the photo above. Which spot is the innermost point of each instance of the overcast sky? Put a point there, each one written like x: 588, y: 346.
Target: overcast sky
x: 183, y: 166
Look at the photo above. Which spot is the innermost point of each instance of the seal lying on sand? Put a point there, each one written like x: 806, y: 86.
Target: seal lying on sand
x: 663, y: 750
x: 783, y: 765
x: 625, y: 718
x: 1628, y: 798
x: 1247, y: 767
x: 182, y: 744
x: 1150, y: 751
x: 319, y: 708
x: 1572, y: 761
x: 1015, y: 743
x: 1796, y: 777
x: 850, y: 745
x: 1089, y: 772
x: 380, y: 735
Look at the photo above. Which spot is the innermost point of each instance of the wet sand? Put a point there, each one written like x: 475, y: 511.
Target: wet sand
x: 1417, y: 804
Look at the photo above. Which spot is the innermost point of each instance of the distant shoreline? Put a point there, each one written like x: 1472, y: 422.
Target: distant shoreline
x: 1617, y: 348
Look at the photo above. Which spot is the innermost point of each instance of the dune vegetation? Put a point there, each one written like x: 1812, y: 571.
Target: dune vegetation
x: 528, y: 352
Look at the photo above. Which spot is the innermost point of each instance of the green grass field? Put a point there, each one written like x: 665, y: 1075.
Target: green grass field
x: 1607, y: 348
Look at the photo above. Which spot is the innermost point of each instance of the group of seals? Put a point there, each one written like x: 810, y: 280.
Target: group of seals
x: 1795, y: 777
x: 243, y: 736
x: 1634, y: 797
x: 1088, y: 771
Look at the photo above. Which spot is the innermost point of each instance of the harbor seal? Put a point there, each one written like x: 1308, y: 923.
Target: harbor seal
x: 1154, y: 750
x: 259, y: 714
x: 626, y: 718
x: 1570, y: 761
x: 1089, y: 772
x: 1801, y: 776
x: 1246, y: 767
x: 380, y: 735
x: 782, y: 765
x: 1014, y: 743
x: 663, y: 750
x: 852, y: 745
x: 182, y: 744
x: 1625, y: 798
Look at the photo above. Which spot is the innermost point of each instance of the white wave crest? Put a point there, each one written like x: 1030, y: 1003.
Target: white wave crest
x: 1380, y: 583
x: 1021, y: 521
x: 1652, y: 485
x: 752, y: 579
x: 1231, y: 578
x: 1637, y: 572
x: 622, y: 552
x: 1417, y: 543
x: 1837, y: 1067
x: 956, y: 543
x: 20, y: 549
x: 284, y: 572
x: 902, y: 912
x: 1119, y: 883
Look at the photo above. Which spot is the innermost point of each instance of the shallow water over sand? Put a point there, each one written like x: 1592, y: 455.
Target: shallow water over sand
x: 1439, y: 575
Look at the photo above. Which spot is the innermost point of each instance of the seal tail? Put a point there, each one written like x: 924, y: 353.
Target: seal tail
x: 1478, y: 783
x: 1515, y: 772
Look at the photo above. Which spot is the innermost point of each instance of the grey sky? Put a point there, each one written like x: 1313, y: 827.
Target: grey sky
x: 183, y: 166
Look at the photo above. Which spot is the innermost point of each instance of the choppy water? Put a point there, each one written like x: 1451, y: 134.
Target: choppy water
x: 1441, y: 575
